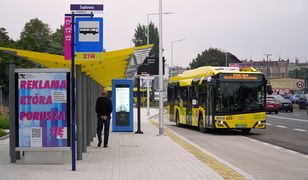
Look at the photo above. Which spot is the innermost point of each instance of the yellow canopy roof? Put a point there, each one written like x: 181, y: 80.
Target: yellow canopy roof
x: 113, y: 65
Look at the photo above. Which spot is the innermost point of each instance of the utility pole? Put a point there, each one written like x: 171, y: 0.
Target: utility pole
x: 267, y: 69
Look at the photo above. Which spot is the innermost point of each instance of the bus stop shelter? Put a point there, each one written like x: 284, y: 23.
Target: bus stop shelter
x: 91, y: 76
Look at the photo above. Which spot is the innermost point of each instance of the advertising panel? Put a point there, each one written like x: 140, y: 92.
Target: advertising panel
x: 43, y: 109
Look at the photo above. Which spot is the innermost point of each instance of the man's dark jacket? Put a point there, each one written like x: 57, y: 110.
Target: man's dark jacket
x: 103, y: 106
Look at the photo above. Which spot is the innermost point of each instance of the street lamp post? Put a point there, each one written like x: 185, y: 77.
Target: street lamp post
x: 267, y: 69
x: 171, y: 62
x: 226, y: 59
x: 148, y: 23
x: 161, y: 120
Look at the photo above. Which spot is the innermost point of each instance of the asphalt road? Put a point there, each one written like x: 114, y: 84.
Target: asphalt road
x: 287, y: 130
x: 255, y: 153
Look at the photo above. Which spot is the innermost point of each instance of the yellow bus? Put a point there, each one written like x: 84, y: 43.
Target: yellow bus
x: 218, y: 97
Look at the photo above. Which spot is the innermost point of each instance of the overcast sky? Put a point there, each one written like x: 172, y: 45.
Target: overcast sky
x: 246, y: 28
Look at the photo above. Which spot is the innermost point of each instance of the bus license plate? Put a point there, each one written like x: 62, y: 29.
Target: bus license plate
x: 240, y: 125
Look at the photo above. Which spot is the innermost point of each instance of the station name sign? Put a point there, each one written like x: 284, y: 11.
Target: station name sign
x: 150, y: 66
x: 87, y: 8
x: 241, y: 77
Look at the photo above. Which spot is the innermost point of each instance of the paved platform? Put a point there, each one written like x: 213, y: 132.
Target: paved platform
x: 129, y: 156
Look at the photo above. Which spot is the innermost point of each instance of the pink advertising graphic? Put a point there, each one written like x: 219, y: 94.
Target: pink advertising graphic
x: 67, y: 38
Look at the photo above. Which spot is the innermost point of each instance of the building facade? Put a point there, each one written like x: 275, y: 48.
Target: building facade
x: 271, y: 69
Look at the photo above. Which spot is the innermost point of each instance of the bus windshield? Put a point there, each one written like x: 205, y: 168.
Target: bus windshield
x: 238, y: 97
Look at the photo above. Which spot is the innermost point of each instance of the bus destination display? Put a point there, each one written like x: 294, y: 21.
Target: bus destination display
x: 241, y: 77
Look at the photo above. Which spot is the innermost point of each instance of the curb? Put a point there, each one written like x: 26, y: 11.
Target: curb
x: 221, y: 167
x: 5, y: 136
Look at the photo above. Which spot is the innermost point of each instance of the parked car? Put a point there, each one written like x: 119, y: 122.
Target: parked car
x: 295, y: 98
x: 303, y: 101
x: 284, y: 104
x: 287, y: 96
x: 271, y: 105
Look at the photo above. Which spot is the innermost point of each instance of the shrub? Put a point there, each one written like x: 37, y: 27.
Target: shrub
x: 4, y: 122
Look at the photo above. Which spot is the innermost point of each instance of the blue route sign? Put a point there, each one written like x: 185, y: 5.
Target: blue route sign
x: 89, y: 35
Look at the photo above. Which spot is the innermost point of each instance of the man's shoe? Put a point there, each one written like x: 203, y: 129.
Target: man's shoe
x: 105, y: 146
x: 99, y: 144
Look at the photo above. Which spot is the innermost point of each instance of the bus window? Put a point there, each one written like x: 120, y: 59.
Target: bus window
x: 202, y: 95
x: 194, y: 95
x: 184, y: 93
x: 218, y: 100
x: 171, y: 94
x: 238, y: 97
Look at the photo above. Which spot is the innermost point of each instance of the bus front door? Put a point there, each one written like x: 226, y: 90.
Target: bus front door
x: 171, y: 99
x: 189, y: 106
x: 209, y: 102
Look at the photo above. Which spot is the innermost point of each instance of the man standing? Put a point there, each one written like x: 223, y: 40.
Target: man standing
x: 103, y: 110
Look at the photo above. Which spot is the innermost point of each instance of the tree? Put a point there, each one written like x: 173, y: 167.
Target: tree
x: 213, y: 57
x: 140, y: 37
x: 35, y: 36
x: 301, y: 73
x: 5, y: 61
x: 56, y: 42
x: 5, y: 40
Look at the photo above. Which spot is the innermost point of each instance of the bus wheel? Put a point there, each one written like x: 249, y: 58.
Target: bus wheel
x: 245, y: 131
x: 201, y: 128
x: 177, y: 119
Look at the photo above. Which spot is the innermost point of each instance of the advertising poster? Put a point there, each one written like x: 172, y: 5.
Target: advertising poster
x: 43, y: 119
x: 122, y: 106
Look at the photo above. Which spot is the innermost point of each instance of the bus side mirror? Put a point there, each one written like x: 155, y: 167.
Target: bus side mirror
x: 269, y: 89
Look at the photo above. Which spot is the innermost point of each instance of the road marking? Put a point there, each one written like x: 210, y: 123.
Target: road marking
x: 281, y: 126
x: 280, y: 148
x: 291, y: 119
x: 268, y: 124
x: 302, y: 130
x: 223, y: 170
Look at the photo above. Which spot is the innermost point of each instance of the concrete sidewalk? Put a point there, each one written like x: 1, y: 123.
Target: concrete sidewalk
x: 129, y: 156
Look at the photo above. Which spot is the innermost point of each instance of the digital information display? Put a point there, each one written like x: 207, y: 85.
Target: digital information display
x: 122, y: 106
x: 122, y: 98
